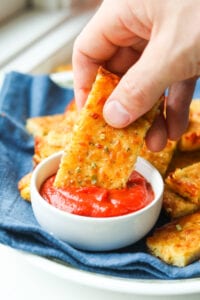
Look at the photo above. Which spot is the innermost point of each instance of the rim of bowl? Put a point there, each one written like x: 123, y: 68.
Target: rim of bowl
x: 88, y: 218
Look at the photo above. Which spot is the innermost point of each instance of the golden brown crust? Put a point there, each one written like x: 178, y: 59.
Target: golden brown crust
x: 194, y: 114
x: 98, y: 153
x: 186, y: 182
x: 24, y: 186
x: 178, y: 242
x: 57, y: 133
x: 40, y: 126
x: 51, y: 134
x: 71, y: 113
x: 177, y: 206
x: 56, y: 140
x: 190, y: 140
x: 44, y: 147
x: 161, y: 159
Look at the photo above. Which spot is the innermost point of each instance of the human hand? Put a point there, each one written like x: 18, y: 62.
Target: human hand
x: 153, y: 45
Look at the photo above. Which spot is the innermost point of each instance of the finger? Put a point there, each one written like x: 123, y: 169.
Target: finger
x: 139, y: 89
x: 156, y: 137
x: 119, y: 64
x: 177, y: 109
x: 84, y: 73
x: 98, y: 42
x: 125, y: 57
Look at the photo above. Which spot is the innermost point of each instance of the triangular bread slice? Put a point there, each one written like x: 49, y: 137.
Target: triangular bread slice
x: 186, y: 182
x: 161, y: 159
x: 177, y: 206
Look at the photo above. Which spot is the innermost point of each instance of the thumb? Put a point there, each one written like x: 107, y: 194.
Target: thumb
x: 138, y: 90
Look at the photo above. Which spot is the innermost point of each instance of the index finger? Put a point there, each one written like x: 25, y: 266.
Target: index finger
x: 96, y: 44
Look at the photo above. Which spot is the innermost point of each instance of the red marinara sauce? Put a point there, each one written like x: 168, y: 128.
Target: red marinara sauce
x: 99, y: 202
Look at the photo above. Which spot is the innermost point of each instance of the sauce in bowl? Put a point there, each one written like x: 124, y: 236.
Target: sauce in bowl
x: 100, y: 202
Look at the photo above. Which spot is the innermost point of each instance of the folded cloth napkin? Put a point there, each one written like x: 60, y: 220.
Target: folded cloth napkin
x: 24, y: 96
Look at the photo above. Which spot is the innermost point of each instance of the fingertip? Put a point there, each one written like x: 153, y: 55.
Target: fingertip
x: 155, y: 146
x: 116, y: 115
x: 178, y: 106
x: 84, y: 72
x: 81, y: 97
x: 156, y: 138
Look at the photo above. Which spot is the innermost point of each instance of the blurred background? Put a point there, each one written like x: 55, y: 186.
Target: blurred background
x: 36, y: 36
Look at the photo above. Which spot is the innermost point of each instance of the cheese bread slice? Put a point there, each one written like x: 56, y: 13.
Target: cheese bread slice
x: 177, y: 243
x: 161, y: 159
x: 194, y: 113
x: 190, y: 140
x: 41, y: 126
x: 99, y: 154
x: 55, y: 140
x: 51, y: 134
x: 24, y: 186
x: 186, y: 182
x: 177, y: 206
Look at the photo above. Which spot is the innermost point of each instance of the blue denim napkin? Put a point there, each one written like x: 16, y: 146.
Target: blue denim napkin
x: 24, y: 96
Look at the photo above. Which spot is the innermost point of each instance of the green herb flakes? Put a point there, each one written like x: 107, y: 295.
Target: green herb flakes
x: 178, y: 227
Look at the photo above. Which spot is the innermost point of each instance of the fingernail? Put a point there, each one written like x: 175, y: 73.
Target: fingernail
x: 116, y: 115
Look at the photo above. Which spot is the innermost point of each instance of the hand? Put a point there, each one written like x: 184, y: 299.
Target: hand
x: 153, y: 45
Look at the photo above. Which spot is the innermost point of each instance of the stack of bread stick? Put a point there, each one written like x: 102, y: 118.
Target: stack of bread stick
x: 96, y: 154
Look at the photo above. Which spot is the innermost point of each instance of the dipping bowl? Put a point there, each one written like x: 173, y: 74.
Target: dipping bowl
x: 89, y: 233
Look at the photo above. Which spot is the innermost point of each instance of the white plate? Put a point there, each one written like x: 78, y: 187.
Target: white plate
x: 34, y: 277
x: 126, y: 287
x: 113, y: 286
